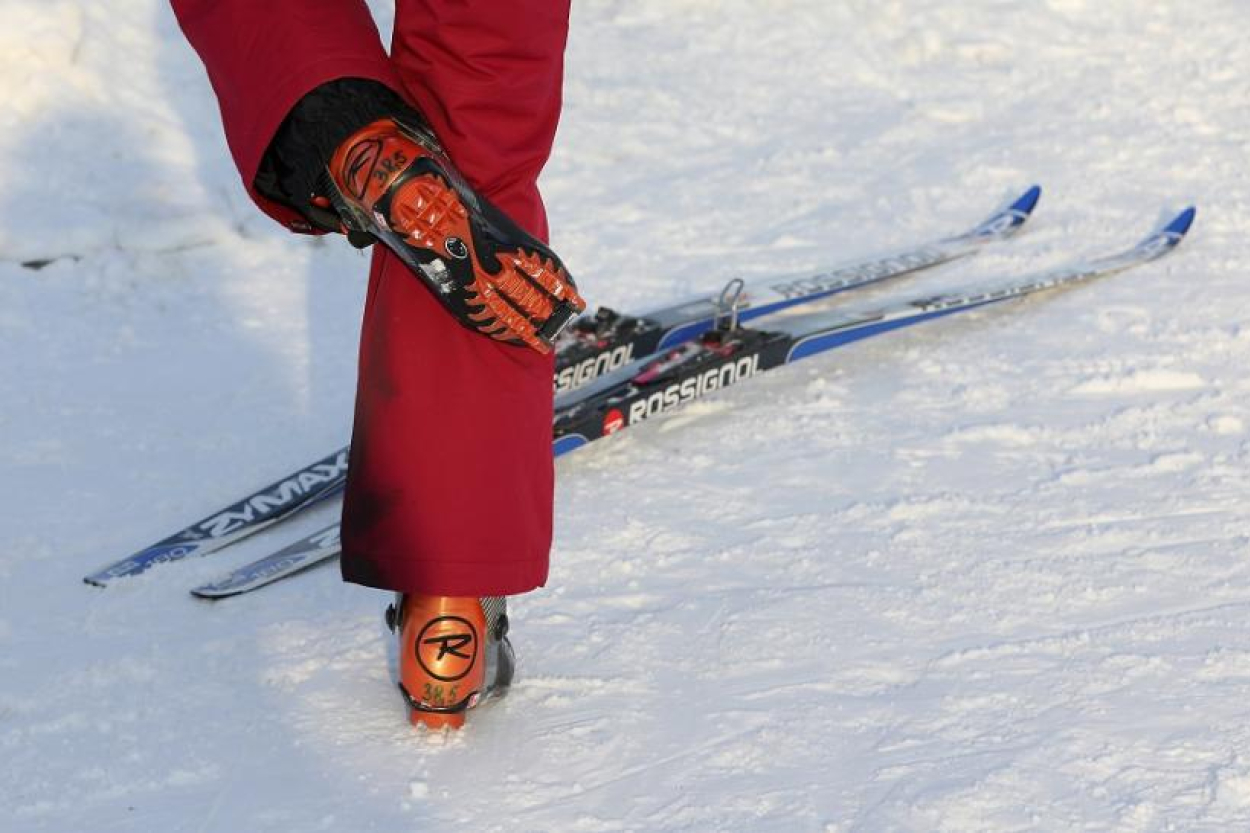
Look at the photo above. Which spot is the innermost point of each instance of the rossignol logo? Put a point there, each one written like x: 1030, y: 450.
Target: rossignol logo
x: 361, y: 161
x: 587, y: 370
x: 447, y: 648
x: 816, y: 284
x: 260, y: 506
x: 679, y: 393
x: 613, y: 421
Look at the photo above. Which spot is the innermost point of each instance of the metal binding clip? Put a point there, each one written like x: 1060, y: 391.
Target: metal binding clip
x: 728, y: 305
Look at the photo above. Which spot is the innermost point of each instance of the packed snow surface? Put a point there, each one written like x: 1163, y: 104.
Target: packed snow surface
x: 986, y: 574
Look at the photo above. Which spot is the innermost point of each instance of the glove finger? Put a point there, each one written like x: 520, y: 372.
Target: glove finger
x: 502, y: 321
x: 547, y: 275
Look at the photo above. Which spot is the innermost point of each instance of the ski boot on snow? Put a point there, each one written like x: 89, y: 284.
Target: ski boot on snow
x: 392, y: 181
x: 453, y: 653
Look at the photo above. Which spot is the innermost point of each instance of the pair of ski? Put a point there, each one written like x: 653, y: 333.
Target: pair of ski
x: 615, y: 370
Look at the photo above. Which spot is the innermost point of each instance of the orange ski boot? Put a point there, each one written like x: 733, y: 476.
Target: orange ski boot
x: 453, y: 653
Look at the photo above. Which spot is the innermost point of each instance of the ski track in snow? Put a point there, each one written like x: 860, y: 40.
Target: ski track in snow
x: 988, y: 574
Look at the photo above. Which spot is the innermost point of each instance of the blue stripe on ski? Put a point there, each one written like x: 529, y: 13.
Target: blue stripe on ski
x: 819, y: 344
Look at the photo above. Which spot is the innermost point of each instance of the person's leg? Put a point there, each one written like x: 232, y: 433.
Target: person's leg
x: 450, y: 483
x: 488, y: 74
x: 451, y: 474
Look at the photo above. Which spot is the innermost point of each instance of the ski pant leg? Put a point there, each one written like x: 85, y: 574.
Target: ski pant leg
x: 450, y: 484
x: 262, y: 58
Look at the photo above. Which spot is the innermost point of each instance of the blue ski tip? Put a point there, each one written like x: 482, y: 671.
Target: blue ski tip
x: 1027, y: 201
x: 1007, y: 220
x: 1181, y: 223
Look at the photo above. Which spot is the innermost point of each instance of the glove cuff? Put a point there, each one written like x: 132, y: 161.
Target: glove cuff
x: 292, y: 168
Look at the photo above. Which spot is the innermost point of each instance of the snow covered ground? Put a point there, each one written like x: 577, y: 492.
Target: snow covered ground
x: 990, y: 574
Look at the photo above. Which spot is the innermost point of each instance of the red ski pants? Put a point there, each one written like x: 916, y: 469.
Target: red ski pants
x: 450, y: 481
